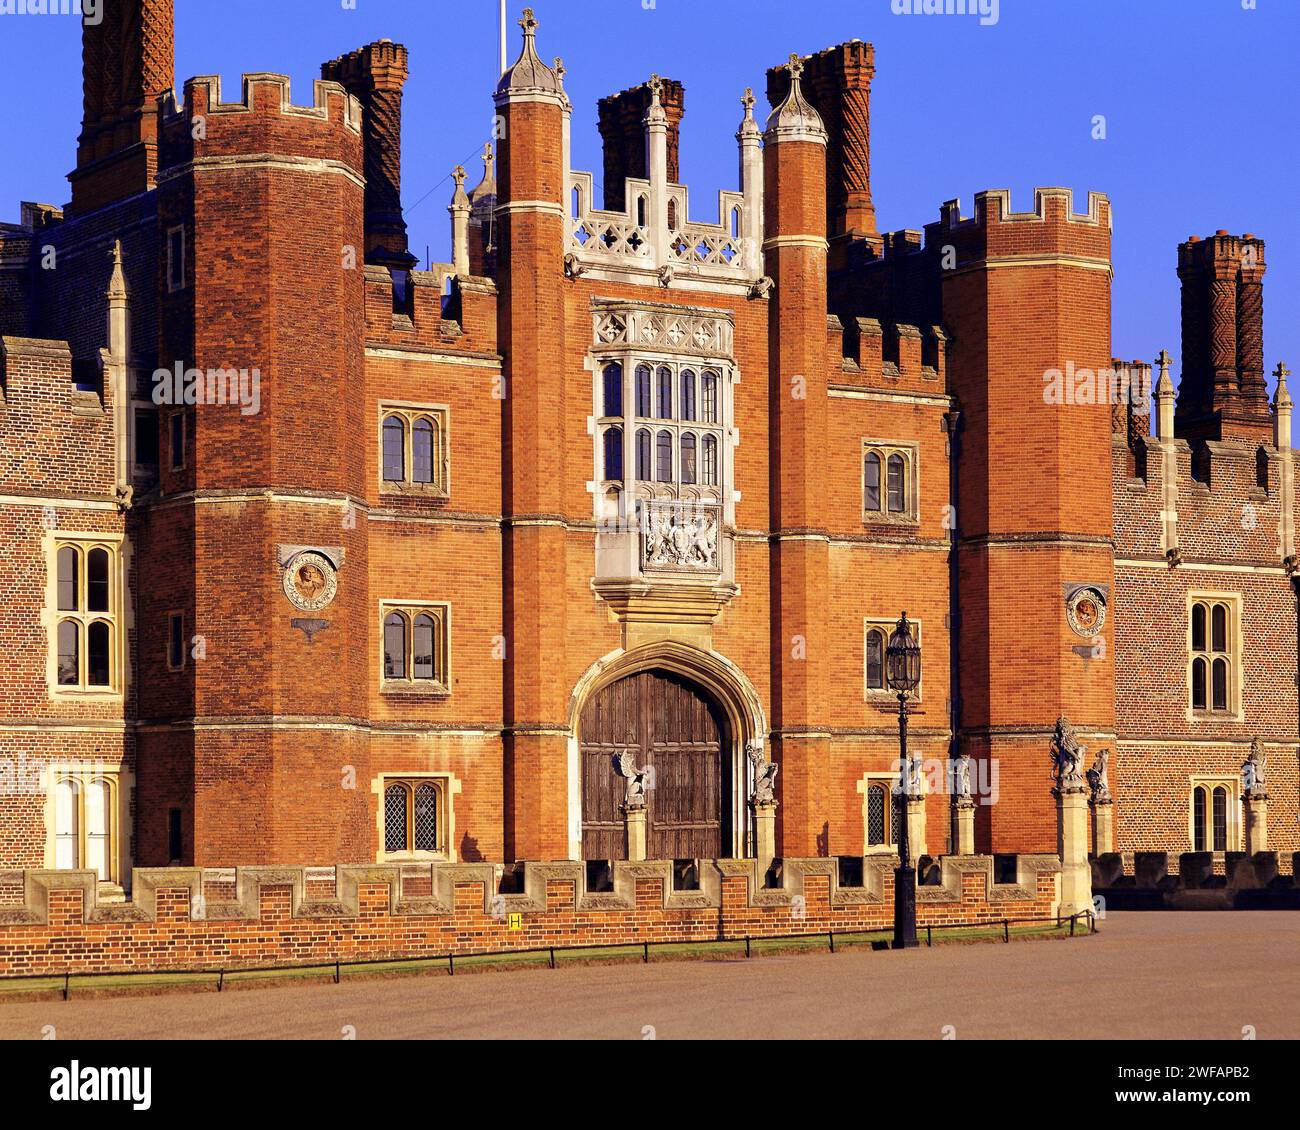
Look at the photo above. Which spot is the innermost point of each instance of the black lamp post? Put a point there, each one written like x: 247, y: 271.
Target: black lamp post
x: 903, y: 665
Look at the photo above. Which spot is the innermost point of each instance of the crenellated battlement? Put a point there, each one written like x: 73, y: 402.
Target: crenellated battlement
x: 264, y: 121
x: 1052, y: 226
x: 263, y: 93
x: 890, y: 355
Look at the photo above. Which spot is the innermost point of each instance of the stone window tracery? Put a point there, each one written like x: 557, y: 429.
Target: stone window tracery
x: 1214, y: 655
x: 414, y: 816
x: 414, y: 449
x: 890, y: 490
x: 87, y: 592
x: 415, y: 646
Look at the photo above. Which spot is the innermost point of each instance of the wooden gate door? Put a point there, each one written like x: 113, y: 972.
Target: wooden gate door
x: 673, y: 729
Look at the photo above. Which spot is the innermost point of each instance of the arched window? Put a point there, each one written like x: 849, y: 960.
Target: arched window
x: 426, y: 636
x: 614, y: 454
x: 84, y: 640
x: 1219, y: 686
x: 1198, y: 819
x: 664, y: 402
x: 394, y: 449
x: 871, y: 482
x: 643, y: 391
x: 664, y: 457
x: 641, y: 205
x: 688, y: 395
x: 415, y: 649
x: 1198, y: 628
x: 67, y: 825
x: 643, y: 455
x: 422, y: 450
x: 1213, y: 667
x: 1220, y: 816
x: 1200, y: 695
x: 710, y: 468
x: 99, y: 639
x: 99, y: 828
x: 672, y: 215
x: 688, y: 459
x: 395, y: 646
x: 97, y: 572
x: 426, y: 818
x: 897, y: 484
x: 412, y: 816
x: 709, y: 396
x: 1219, y: 633
x: 395, y: 826
x: 614, y: 390
x: 877, y: 815
x: 876, y: 660
x: 69, y: 582
x: 69, y: 656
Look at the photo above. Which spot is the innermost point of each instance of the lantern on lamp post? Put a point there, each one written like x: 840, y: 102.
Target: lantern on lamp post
x: 903, y: 671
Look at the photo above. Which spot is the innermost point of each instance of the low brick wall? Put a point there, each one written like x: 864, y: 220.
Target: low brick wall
x: 188, y: 918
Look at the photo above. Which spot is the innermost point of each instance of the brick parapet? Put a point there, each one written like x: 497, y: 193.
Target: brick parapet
x: 257, y: 917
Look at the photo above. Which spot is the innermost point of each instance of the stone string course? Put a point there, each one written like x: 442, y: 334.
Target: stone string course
x: 272, y: 916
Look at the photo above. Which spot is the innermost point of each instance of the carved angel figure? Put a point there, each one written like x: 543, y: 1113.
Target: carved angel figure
x: 1252, y: 770
x: 764, y: 775
x: 1067, y: 754
x: 1098, y: 781
x: 634, y: 798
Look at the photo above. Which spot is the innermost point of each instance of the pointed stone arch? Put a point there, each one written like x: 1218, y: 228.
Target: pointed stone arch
x: 719, y: 678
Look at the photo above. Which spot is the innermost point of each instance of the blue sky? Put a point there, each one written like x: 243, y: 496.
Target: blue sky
x: 1199, y: 98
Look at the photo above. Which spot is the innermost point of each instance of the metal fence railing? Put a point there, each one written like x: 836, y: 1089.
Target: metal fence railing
x: 645, y: 947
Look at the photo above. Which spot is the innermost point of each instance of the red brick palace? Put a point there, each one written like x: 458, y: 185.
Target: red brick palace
x: 313, y: 557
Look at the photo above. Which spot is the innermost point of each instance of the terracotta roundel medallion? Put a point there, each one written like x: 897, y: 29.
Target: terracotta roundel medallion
x: 310, y: 581
x: 1086, y: 612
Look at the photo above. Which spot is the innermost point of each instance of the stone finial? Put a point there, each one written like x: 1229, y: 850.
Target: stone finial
x: 459, y: 198
x: 1283, y: 395
x: 748, y: 126
x: 795, y: 119
x: 656, y: 115
x: 488, y: 185
x: 117, y: 280
x: 529, y: 75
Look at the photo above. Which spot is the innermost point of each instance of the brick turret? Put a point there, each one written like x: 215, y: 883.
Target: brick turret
x: 127, y: 62
x: 260, y: 217
x: 622, y: 128
x: 1222, y: 393
x: 376, y: 75
x: 530, y: 225
x: 837, y: 82
x: 1028, y: 308
x: 795, y: 249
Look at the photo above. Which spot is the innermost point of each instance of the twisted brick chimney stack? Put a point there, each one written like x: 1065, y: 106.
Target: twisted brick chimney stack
x: 127, y: 60
x: 837, y: 82
x: 1223, y: 393
x: 376, y: 74
x: 622, y: 128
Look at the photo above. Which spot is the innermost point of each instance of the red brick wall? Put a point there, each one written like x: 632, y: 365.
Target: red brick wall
x: 170, y: 939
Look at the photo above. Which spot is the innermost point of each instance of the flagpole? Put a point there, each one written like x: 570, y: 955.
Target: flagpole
x: 503, y: 36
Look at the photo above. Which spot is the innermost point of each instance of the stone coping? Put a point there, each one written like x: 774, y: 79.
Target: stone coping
x: 348, y: 880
